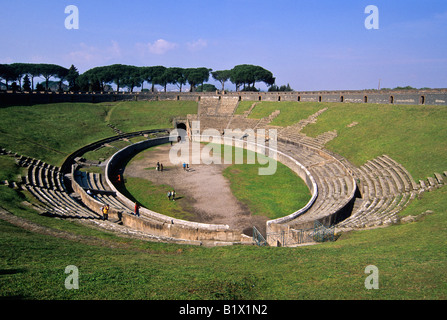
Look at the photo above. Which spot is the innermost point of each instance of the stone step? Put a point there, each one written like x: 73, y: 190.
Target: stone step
x: 439, y: 178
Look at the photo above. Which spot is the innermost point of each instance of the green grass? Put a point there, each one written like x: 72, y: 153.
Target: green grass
x: 35, y: 131
x: 51, y: 132
x: 144, y: 115
x: 272, y: 196
x: 291, y: 112
x: 411, y: 261
x: 154, y: 197
x: 243, y: 106
x: 415, y: 136
x: 106, y: 151
x: 9, y: 170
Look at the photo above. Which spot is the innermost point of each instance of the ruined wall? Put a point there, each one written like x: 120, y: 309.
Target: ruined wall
x: 410, y: 97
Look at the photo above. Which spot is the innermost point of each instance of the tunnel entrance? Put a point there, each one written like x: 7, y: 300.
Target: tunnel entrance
x: 181, y: 129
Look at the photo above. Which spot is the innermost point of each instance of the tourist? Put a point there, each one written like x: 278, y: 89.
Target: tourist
x: 184, y: 166
x: 105, y: 212
x: 169, y: 195
x: 137, y: 209
x: 158, y: 166
x: 173, y: 195
x: 161, y: 167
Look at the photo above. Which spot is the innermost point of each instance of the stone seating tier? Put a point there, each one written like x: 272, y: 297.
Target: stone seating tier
x: 335, y: 184
x: 46, y: 183
x: 94, y: 182
x: 386, y: 188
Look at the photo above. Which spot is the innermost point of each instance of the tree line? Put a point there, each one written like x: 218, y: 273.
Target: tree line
x: 244, y: 77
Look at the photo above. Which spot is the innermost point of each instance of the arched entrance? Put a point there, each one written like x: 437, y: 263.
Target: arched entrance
x: 181, y: 129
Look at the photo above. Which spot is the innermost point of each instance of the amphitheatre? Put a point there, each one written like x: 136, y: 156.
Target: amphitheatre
x: 343, y: 196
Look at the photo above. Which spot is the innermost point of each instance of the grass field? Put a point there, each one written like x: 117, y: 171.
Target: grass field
x: 411, y: 258
x: 153, y: 197
x: 272, y: 196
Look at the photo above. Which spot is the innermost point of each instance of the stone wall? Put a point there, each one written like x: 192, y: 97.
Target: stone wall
x: 410, y: 97
x: 166, y: 226
x: 160, y: 224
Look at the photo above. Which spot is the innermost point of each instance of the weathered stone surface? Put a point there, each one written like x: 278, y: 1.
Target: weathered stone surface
x: 413, y: 97
x: 439, y: 178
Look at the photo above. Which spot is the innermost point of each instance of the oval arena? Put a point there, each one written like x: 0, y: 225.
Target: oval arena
x: 343, y: 196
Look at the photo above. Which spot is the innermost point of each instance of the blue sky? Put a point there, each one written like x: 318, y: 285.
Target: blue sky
x: 312, y: 45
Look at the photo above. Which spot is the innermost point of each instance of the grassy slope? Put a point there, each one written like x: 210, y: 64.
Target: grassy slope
x: 411, y: 258
x: 143, y: 115
x: 291, y: 112
x: 51, y: 132
x: 35, y: 131
x: 415, y: 136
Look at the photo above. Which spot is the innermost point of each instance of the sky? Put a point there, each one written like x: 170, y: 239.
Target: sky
x: 311, y: 45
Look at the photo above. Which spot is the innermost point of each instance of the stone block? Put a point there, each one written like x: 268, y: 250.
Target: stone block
x: 422, y: 183
x: 431, y: 181
x: 439, y: 178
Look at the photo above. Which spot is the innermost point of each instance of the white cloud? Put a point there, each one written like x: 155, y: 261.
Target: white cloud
x: 197, y: 45
x: 92, y: 55
x: 161, y: 46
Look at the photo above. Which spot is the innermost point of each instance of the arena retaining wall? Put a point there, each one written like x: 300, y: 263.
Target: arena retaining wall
x: 165, y: 226
x: 175, y: 228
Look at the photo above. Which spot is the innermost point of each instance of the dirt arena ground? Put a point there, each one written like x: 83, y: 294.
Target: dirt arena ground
x: 207, y: 193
